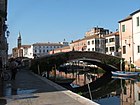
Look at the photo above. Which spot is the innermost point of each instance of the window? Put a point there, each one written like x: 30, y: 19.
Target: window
x: 92, y: 49
x: 106, y: 40
x: 139, y: 96
x: 88, y: 42
x: 111, y: 40
x: 111, y: 49
x: 96, y: 41
x: 124, y: 49
x: 139, y: 49
x: 92, y: 41
x: 88, y: 49
x: 25, y: 51
x: 106, y: 49
x: 123, y: 28
x: 138, y: 22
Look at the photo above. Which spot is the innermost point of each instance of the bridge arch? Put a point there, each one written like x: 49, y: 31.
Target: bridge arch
x: 104, y: 61
x: 106, y: 67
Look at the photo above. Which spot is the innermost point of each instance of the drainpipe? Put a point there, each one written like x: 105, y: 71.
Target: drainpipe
x: 120, y: 47
x: 132, y: 43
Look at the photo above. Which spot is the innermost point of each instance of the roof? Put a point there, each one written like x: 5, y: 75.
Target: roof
x: 135, y: 12
x: 86, y: 38
x: 127, y: 18
x: 130, y: 16
x: 23, y: 46
x: 112, y: 34
x: 26, y: 46
x: 65, y: 47
x: 79, y: 40
x: 47, y: 44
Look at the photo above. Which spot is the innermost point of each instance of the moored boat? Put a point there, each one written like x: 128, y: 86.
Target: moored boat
x: 125, y: 73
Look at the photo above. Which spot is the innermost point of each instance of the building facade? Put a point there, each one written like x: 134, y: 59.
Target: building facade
x: 78, y: 45
x: 112, y: 44
x: 96, y: 43
x: 22, y: 50
x: 98, y: 39
x: 96, y: 31
x: 136, y: 37
x: 36, y: 49
x: 3, y: 29
x: 42, y: 49
x: 129, y: 30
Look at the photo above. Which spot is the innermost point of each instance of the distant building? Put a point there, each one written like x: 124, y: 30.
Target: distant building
x: 78, y: 45
x: 96, y: 43
x: 100, y: 41
x: 59, y: 50
x: 97, y: 31
x: 96, y: 39
x: 42, y: 49
x: 22, y: 50
x: 112, y: 44
x: 129, y: 30
x: 36, y: 49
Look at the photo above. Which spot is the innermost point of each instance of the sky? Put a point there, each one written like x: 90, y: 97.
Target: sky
x: 55, y: 20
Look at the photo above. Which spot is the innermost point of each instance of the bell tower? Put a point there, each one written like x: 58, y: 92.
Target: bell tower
x: 19, y: 41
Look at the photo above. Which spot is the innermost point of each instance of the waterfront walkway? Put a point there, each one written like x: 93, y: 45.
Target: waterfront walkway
x: 31, y: 89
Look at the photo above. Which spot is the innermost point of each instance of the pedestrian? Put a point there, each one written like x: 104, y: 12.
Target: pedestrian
x: 13, y: 65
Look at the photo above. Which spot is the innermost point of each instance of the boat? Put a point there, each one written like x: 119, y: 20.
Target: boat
x: 125, y: 73
x: 125, y: 78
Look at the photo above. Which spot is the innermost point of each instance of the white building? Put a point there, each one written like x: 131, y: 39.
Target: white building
x: 42, y: 49
x: 96, y: 43
x: 136, y: 36
x: 112, y: 44
x: 36, y: 49
x: 23, y: 51
x: 96, y: 39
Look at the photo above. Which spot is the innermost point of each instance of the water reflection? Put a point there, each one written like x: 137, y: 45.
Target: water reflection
x: 130, y: 93
x: 112, y: 91
x: 127, y: 94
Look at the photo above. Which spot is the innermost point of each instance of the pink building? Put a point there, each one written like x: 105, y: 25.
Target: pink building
x: 79, y: 45
x: 63, y: 49
x: 129, y: 30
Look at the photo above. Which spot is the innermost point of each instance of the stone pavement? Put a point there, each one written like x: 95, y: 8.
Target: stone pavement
x: 32, y: 89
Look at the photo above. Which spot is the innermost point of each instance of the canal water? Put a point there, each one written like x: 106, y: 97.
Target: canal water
x: 108, y: 90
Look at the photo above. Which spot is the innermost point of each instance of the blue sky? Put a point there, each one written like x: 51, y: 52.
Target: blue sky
x: 56, y: 20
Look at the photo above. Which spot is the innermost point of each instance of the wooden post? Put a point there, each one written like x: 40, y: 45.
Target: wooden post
x: 38, y: 68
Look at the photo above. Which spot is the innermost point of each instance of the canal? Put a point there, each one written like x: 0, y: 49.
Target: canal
x: 108, y: 90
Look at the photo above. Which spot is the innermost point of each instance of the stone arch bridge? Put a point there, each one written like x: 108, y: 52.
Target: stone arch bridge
x: 107, y: 62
